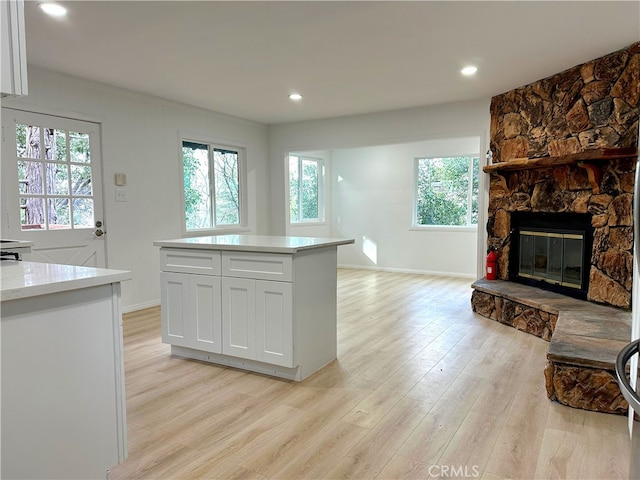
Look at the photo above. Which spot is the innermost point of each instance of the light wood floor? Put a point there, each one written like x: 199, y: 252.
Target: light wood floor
x: 422, y: 388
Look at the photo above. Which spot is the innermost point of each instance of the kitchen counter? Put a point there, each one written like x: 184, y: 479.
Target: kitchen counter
x: 18, y: 249
x: 253, y: 243
x: 63, y: 402
x: 29, y: 279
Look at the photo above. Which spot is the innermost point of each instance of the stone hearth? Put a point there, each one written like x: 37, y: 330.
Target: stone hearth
x: 584, y: 340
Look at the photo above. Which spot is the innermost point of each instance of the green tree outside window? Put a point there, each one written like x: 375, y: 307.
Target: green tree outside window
x: 447, y: 191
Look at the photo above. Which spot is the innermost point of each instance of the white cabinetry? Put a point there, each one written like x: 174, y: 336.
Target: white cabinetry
x: 269, y: 309
x: 274, y: 322
x: 63, y: 403
x: 257, y: 312
x: 191, y: 301
x: 191, y: 311
x: 14, y: 54
x: 257, y: 320
x: 234, y: 314
x: 239, y: 317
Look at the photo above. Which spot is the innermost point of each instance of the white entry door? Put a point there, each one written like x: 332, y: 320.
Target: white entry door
x: 52, y: 187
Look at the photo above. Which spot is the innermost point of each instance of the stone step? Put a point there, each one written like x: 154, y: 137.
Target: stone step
x: 584, y: 339
x: 585, y: 333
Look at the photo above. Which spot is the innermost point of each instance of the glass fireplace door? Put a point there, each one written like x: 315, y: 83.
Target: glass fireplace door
x: 551, y: 256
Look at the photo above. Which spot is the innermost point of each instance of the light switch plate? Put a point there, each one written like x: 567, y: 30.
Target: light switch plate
x: 121, y: 194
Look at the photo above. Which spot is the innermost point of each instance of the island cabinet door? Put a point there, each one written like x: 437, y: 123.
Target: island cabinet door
x: 274, y: 322
x: 239, y: 317
x: 191, y: 311
x: 175, y: 308
x: 205, y: 319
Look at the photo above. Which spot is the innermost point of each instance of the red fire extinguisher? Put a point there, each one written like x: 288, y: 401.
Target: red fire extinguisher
x: 492, y: 264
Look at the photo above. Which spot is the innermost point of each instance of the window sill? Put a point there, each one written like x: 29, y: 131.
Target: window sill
x: 443, y: 228
x: 307, y: 224
x: 217, y: 231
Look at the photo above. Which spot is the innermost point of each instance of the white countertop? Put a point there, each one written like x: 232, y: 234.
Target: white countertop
x: 5, y: 244
x: 30, y: 279
x: 254, y: 243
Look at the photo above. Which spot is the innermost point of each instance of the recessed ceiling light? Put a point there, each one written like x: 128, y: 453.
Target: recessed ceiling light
x: 470, y: 70
x: 295, y: 96
x: 53, y: 9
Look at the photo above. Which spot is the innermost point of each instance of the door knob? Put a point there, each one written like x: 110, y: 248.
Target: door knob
x: 99, y: 232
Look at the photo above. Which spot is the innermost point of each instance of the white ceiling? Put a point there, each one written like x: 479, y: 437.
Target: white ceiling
x: 346, y: 58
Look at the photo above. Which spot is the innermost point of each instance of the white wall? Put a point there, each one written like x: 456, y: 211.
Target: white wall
x: 373, y: 194
x: 140, y: 138
x: 462, y: 119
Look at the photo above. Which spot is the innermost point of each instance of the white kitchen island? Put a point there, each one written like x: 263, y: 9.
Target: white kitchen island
x: 63, y: 403
x: 260, y: 303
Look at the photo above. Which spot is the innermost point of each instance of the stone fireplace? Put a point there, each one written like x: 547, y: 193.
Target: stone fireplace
x: 589, y: 108
x: 566, y: 190
x: 560, y: 217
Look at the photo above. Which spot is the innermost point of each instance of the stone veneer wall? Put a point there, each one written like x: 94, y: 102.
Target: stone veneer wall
x: 590, y: 106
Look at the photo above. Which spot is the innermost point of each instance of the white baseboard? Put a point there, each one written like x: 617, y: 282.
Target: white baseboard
x: 408, y: 270
x: 140, y: 306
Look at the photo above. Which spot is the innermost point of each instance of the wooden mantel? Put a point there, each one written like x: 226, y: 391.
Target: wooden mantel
x: 588, y: 160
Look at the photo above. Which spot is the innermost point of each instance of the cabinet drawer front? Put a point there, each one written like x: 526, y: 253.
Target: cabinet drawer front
x: 265, y: 266
x: 201, y: 262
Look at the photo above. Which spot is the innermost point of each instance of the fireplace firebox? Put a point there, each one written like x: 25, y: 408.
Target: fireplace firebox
x: 552, y: 251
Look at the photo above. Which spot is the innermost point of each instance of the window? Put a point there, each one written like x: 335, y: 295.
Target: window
x: 305, y: 189
x: 447, y: 191
x: 55, y: 178
x: 212, y: 186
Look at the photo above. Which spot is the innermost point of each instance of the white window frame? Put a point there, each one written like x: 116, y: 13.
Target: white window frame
x: 242, y: 186
x: 320, y: 220
x: 443, y: 228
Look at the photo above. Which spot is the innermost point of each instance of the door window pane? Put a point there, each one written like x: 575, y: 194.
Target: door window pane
x: 21, y: 140
x: 81, y: 180
x: 83, y: 213
x: 30, y: 177
x: 57, y: 179
x: 28, y: 141
x: 55, y: 142
x: 79, y: 147
x: 32, y: 213
x: 58, y: 212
